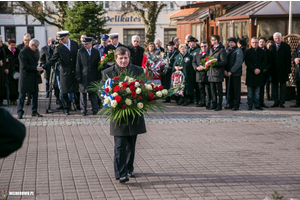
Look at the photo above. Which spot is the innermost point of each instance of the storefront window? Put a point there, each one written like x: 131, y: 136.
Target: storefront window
x: 296, y: 26
x: 237, y: 30
x: 128, y: 33
x: 245, y: 32
x: 168, y: 34
x: 267, y: 28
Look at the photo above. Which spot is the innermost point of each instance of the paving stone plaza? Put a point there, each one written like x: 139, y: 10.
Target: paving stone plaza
x: 187, y: 153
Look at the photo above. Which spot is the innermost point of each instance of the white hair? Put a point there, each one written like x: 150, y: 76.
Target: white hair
x: 135, y: 37
x: 34, y: 42
x: 157, y: 40
x: 277, y: 34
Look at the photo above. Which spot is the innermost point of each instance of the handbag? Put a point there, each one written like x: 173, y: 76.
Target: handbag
x: 16, y: 75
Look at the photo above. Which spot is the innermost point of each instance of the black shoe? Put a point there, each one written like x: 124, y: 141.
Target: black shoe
x: 66, y: 113
x: 228, y: 107
x: 218, y: 108
x: 275, y: 105
x: 200, y: 105
x: 282, y: 106
x: 83, y: 114
x: 295, y: 105
x: 131, y: 174
x: 180, y: 102
x: 123, y: 179
x: 36, y: 115
x: 250, y: 108
x: 20, y: 116
x: 208, y: 107
x: 186, y: 102
x: 78, y: 107
x: 259, y: 108
x: 28, y: 103
x: 95, y: 113
x: 59, y: 107
x: 264, y: 106
x: 235, y: 108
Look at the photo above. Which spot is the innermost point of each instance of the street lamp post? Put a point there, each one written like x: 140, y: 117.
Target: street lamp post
x: 290, y: 18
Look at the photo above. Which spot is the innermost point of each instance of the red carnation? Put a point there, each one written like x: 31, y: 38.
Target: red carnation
x: 124, y: 85
x: 131, y: 84
x: 156, y: 88
x: 116, y: 88
x: 106, y: 90
x: 151, y: 96
x: 132, y: 88
x: 161, y: 87
x: 116, y: 78
x: 124, y: 107
x: 139, y: 97
x: 133, y: 94
x: 118, y: 98
x: 206, y: 59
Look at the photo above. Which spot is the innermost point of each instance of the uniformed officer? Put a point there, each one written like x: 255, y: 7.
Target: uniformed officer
x: 114, y: 37
x: 86, y: 73
x: 101, y: 47
x: 66, y: 53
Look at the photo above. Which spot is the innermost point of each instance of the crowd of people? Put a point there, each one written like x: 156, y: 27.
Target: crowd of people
x: 267, y: 64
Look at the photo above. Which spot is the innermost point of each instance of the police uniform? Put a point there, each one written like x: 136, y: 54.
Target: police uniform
x: 86, y: 73
x: 100, y: 47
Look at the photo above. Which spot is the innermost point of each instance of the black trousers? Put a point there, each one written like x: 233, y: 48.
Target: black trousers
x: 234, y: 96
x: 93, y: 97
x: 67, y: 103
x: 216, y: 88
x: 275, y: 92
x: 124, y: 155
x: 205, y: 93
x: 262, y: 93
x: 298, y: 93
x: 22, y: 100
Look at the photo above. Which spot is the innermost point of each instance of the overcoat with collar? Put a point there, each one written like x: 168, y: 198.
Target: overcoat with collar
x: 166, y: 79
x: 136, y: 58
x: 87, y: 68
x: 124, y: 129
x: 67, y: 59
x: 201, y: 76
x: 29, y: 76
x: 44, y: 57
x: 281, y: 62
x: 216, y: 73
x: 296, y: 54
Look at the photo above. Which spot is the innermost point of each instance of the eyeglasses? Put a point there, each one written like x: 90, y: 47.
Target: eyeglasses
x: 35, y: 46
x: 203, y: 46
x: 136, y: 41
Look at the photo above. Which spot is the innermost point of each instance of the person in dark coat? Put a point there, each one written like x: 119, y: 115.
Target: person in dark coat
x: 183, y: 62
x: 296, y: 59
x: 86, y: 73
x: 256, y: 61
x: 280, y: 69
x: 12, y: 63
x: 136, y: 51
x: 81, y: 40
x: 268, y: 84
x: 242, y: 44
x: 125, y: 135
x: 101, y: 47
x: 166, y: 79
x: 12, y: 133
x: 30, y: 74
x: 216, y: 73
x: 176, y: 41
x: 46, y: 53
x: 266, y: 72
x: 233, y: 73
x: 66, y: 53
x: 3, y: 71
x: 158, y: 44
x: 114, y: 37
x: 201, y: 76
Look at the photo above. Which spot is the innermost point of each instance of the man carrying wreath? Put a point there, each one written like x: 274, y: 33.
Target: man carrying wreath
x: 125, y: 134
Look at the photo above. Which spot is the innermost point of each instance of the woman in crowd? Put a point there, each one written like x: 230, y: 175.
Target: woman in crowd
x: 183, y: 62
x: 148, y: 55
x: 242, y: 45
x: 12, y: 63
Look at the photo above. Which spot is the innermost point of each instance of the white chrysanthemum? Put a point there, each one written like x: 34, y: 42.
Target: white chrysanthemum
x: 138, y: 90
x: 158, y: 94
x: 128, y: 90
x: 110, y: 89
x: 128, y: 102
x: 164, y: 92
x: 106, y: 100
x: 120, y: 84
x: 148, y: 87
x: 140, y: 105
x: 126, y: 78
x: 136, y: 84
x: 130, y: 80
x: 114, y: 103
x: 115, y: 94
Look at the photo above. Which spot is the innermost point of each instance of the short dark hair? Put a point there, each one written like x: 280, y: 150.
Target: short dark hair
x: 203, y: 42
x: 10, y: 41
x: 217, y: 37
x: 262, y: 38
x: 121, y: 51
x: 150, y: 43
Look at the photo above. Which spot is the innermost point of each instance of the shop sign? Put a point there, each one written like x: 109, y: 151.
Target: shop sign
x: 119, y: 18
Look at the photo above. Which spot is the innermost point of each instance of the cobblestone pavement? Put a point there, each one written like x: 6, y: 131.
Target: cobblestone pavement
x: 187, y: 153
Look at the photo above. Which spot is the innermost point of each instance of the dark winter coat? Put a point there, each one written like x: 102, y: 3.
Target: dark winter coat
x: 201, y: 76
x: 45, y: 55
x: 87, y: 68
x: 296, y: 54
x: 29, y: 76
x: 12, y: 133
x: 112, y: 47
x: 193, y: 51
x: 188, y: 71
x: 216, y: 74
x: 13, y: 66
x: 235, y: 59
x: 67, y: 60
x: 266, y: 71
x: 21, y: 46
x: 136, y: 58
x: 255, y: 59
x: 138, y: 126
x: 166, y: 79
x: 2, y: 74
x: 281, y: 62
